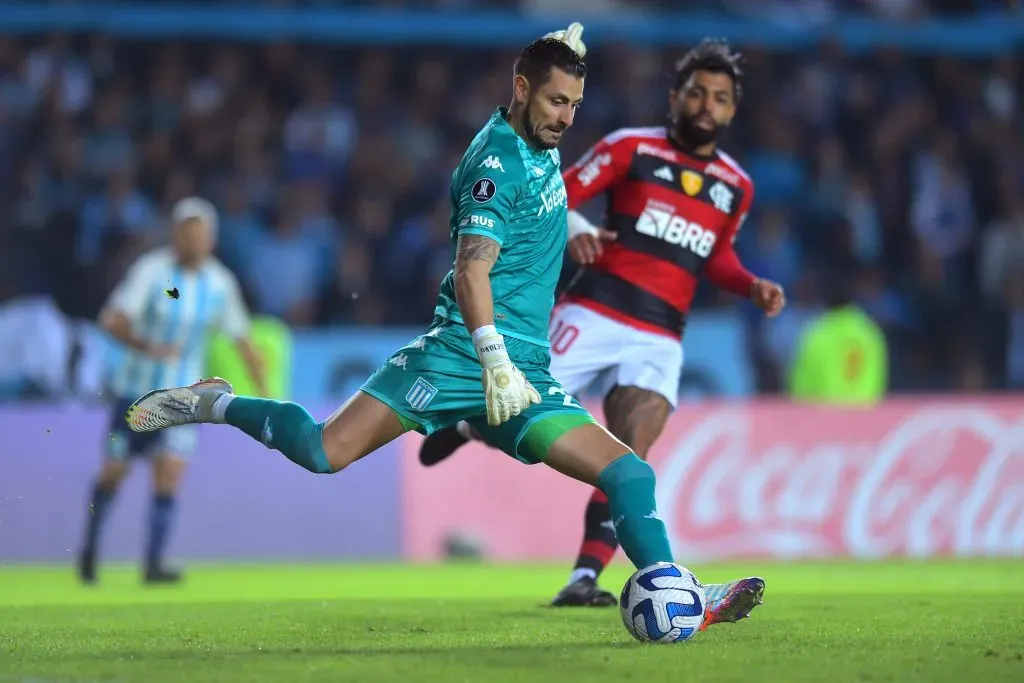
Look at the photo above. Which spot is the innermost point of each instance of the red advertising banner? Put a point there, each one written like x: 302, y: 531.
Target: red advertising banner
x: 762, y: 479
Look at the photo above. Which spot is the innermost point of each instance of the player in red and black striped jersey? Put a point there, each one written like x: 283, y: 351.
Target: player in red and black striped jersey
x: 672, y: 216
x: 675, y: 203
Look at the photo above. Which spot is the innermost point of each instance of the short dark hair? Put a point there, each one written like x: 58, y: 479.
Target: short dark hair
x: 539, y: 57
x: 714, y: 56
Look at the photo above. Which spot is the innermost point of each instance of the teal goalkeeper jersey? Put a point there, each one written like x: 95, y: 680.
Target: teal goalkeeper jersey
x: 505, y: 190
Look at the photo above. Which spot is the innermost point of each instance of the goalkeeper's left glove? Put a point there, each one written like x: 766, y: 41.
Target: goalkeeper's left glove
x: 507, y: 392
x: 572, y: 37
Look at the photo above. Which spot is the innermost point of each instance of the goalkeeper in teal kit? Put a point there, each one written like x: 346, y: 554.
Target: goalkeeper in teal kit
x: 485, y: 356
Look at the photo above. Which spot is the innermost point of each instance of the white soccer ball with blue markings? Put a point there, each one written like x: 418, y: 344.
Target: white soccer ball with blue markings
x: 663, y: 603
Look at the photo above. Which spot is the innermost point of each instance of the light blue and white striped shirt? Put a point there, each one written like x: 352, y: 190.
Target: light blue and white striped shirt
x: 209, y: 299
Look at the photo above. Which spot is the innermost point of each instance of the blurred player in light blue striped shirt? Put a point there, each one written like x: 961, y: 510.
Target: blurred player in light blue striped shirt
x: 162, y: 314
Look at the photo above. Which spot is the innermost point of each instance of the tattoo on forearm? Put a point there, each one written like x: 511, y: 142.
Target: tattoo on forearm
x: 475, y: 248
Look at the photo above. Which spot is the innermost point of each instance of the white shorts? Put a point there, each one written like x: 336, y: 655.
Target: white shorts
x: 587, y: 347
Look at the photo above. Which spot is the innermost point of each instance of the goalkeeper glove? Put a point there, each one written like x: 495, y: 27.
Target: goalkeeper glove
x: 571, y: 37
x: 506, y: 390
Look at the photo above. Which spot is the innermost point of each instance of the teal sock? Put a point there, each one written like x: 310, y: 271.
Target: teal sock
x: 286, y: 427
x: 629, y: 484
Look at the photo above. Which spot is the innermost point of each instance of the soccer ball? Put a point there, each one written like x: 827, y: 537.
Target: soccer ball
x: 663, y: 603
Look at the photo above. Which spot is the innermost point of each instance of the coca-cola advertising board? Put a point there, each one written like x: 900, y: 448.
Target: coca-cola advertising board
x: 762, y: 479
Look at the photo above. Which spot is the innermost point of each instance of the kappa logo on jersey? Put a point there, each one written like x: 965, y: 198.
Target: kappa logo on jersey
x: 493, y: 162
x: 399, y: 361
x: 722, y: 197
x: 483, y: 190
x: 665, y: 225
x: 665, y: 173
x: 421, y: 394
x: 482, y: 221
x: 692, y: 182
x: 592, y: 170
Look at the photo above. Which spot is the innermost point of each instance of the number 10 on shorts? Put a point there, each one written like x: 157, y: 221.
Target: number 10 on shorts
x: 567, y: 400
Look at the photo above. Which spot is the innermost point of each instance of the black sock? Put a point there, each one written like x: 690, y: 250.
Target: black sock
x: 98, y: 506
x: 160, y: 518
x: 599, y: 542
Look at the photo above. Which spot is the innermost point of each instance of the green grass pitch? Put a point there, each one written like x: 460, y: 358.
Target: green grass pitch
x: 905, y: 621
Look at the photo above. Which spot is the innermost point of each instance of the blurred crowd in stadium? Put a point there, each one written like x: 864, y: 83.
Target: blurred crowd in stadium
x: 898, y: 177
x: 804, y: 9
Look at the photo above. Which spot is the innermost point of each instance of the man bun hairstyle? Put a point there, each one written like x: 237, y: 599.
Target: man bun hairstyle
x: 714, y: 56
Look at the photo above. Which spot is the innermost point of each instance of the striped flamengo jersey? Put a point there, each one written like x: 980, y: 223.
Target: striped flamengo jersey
x: 208, y: 299
x: 676, y: 216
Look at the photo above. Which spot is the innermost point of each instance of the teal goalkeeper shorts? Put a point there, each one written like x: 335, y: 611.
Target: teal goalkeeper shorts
x: 434, y: 382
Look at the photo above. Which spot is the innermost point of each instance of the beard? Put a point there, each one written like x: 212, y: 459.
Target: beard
x: 691, y: 135
x: 533, y: 132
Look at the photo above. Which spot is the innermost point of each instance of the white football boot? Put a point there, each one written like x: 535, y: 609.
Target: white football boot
x: 165, y: 408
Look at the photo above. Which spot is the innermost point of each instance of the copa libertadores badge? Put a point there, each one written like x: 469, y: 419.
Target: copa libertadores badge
x: 483, y: 190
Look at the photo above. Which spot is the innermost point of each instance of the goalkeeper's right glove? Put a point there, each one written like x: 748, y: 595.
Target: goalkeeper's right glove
x: 572, y: 37
x: 506, y: 390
